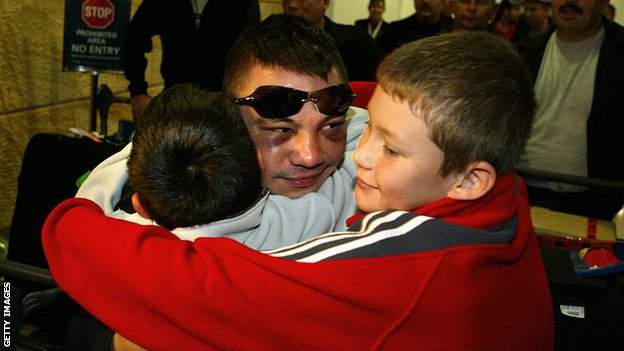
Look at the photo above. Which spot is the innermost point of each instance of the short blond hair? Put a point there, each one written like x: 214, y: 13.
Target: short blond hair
x: 473, y: 91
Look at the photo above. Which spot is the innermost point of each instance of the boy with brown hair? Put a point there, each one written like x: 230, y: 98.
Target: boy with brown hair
x: 447, y: 119
x: 446, y: 260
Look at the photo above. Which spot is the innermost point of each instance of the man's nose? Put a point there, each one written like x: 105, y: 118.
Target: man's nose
x: 307, y: 150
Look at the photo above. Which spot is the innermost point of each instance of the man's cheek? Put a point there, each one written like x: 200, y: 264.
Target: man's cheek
x: 266, y: 182
x: 335, y: 135
x: 266, y: 139
x: 334, y: 144
x: 260, y: 160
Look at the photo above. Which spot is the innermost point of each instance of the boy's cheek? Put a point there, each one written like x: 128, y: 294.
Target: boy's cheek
x: 367, y: 200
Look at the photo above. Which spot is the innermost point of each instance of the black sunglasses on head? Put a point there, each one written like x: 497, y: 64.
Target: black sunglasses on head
x: 276, y: 102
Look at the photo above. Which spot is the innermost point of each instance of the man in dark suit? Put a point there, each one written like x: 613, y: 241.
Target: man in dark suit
x: 195, y: 36
x: 374, y: 25
x: 360, y: 53
x: 428, y: 20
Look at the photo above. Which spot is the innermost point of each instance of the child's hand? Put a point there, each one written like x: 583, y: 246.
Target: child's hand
x: 122, y: 344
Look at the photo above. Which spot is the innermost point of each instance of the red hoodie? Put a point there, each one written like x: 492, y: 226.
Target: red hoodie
x: 433, y: 287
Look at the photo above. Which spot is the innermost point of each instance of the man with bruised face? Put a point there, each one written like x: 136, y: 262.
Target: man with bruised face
x: 290, y: 84
x: 300, y: 150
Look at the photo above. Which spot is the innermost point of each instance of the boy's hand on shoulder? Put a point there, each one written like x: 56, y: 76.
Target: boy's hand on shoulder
x: 120, y: 343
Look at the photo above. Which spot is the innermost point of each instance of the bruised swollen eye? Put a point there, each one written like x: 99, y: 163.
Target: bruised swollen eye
x: 281, y: 130
x: 335, y: 125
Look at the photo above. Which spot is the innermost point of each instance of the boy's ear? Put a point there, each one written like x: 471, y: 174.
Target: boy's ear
x: 138, y: 206
x: 476, y: 181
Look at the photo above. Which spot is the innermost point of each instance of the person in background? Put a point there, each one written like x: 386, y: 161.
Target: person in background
x: 428, y: 20
x: 578, y: 71
x: 536, y: 19
x: 195, y: 35
x: 447, y: 8
x: 374, y: 25
x: 609, y: 12
x: 472, y: 14
x: 508, y: 18
x: 360, y: 52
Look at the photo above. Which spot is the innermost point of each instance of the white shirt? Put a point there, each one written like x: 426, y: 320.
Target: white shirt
x: 564, y: 91
x: 198, y: 8
x: 374, y: 31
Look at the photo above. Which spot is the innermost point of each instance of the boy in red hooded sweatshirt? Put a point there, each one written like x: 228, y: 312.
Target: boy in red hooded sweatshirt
x: 457, y: 267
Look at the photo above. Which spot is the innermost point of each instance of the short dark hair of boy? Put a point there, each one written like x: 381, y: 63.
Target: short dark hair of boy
x: 192, y: 160
x: 283, y: 41
x: 473, y: 91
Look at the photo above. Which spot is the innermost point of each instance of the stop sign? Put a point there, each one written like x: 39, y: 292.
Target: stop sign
x: 98, y: 14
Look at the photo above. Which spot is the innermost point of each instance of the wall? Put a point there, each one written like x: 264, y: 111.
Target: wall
x: 268, y: 7
x: 347, y: 11
x: 619, y: 11
x: 35, y: 95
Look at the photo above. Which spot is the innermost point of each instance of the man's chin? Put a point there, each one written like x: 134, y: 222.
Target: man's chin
x: 294, y: 193
x: 294, y: 189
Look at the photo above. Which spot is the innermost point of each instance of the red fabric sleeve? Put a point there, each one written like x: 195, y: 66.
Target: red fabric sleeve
x: 216, y: 294
x: 165, y: 293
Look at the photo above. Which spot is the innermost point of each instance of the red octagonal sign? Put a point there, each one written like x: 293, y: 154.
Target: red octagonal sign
x: 98, y: 14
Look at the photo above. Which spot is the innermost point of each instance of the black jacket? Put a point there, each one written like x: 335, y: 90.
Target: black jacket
x: 363, y: 25
x: 189, y: 54
x: 410, y: 29
x: 359, y: 51
x: 605, y: 125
